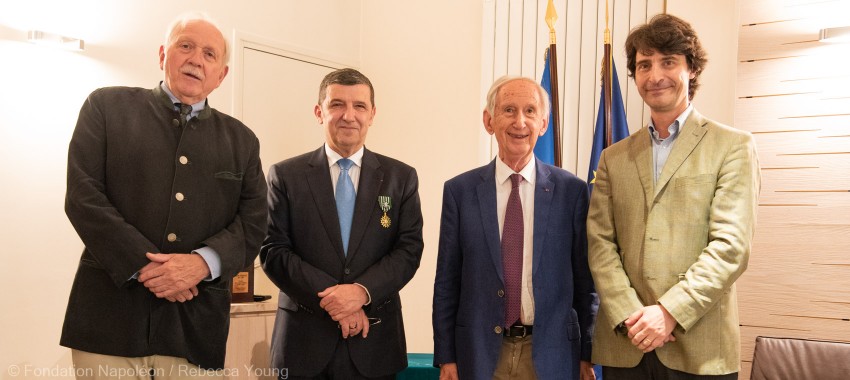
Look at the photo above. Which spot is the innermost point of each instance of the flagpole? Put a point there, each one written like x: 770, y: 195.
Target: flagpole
x: 611, y: 125
x: 607, y: 76
x: 551, y: 17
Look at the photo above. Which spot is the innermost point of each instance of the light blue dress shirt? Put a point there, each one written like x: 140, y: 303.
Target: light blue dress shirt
x: 661, y: 147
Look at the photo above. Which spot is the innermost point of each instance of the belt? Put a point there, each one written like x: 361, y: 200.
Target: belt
x: 518, y: 331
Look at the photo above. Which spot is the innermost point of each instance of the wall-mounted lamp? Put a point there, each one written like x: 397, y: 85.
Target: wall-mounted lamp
x: 839, y: 34
x: 49, y: 39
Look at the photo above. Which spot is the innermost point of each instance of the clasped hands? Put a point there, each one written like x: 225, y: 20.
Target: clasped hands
x: 344, y: 303
x: 651, y: 327
x: 174, y: 276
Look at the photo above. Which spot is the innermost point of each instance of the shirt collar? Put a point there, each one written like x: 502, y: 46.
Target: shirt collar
x: 673, y: 128
x: 196, y: 108
x: 528, y: 172
x: 333, y: 156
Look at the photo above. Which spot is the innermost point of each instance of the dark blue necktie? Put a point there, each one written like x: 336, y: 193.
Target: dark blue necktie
x: 345, y: 197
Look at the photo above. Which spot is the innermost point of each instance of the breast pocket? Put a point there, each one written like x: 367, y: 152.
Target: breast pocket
x: 692, y: 195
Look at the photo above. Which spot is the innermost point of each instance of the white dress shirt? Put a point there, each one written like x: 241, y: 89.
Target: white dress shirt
x: 353, y: 171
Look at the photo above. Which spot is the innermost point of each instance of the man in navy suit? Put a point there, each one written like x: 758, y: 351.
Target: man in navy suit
x: 476, y: 336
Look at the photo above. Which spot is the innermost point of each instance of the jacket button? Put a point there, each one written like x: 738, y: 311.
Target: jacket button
x: 501, y: 293
x: 175, y: 122
x: 172, y: 237
x: 497, y: 330
x: 184, y: 160
x: 347, y: 271
x: 179, y: 197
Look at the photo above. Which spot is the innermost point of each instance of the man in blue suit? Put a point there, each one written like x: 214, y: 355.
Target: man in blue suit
x: 513, y: 296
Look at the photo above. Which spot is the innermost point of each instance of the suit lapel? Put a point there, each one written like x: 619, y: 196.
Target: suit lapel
x: 543, y: 192
x: 371, y: 178
x: 641, y: 153
x: 690, y: 135
x: 319, y: 182
x: 486, y: 190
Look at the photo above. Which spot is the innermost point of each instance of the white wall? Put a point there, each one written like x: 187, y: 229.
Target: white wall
x: 717, y: 25
x: 424, y: 59
x: 42, y: 91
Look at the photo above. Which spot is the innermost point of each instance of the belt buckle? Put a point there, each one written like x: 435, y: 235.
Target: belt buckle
x: 521, y: 328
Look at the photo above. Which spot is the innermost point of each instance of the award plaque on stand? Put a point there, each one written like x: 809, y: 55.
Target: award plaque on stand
x: 243, y: 286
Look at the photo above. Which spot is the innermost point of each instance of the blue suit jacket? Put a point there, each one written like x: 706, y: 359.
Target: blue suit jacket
x: 468, y: 307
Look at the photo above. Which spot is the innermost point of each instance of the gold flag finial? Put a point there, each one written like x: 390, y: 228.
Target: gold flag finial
x: 551, y: 18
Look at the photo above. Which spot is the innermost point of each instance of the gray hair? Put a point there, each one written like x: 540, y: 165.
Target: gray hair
x: 501, y: 82
x: 181, y: 21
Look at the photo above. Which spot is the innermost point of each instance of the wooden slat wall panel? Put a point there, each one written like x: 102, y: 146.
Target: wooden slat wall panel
x: 797, y: 75
x: 794, y: 95
x: 778, y: 40
x: 804, y: 108
x: 829, y: 12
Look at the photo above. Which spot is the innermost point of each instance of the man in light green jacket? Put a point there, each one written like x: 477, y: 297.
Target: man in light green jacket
x: 671, y: 223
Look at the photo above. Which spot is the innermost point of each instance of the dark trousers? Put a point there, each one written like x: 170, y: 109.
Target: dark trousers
x: 650, y: 368
x: 340, y: 368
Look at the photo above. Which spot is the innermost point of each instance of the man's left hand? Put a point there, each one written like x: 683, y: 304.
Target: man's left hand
x: 341, y: 301
x: 177, y: 273
x: 354, y: 324
x: 650, y: 327
x: 586, y: 369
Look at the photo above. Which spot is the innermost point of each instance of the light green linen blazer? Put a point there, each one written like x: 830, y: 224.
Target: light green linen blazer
x: 681, y: 242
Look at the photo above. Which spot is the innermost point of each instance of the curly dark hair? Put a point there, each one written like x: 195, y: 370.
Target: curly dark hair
x: 667, y: 34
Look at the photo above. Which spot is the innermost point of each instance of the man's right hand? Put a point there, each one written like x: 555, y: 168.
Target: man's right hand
x: 448, y: 371
x: 183, y: 296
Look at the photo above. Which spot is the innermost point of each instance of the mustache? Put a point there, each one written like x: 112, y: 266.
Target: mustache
x: 193, y: 71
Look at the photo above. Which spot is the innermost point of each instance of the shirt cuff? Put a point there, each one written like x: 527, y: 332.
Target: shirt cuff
x: 368, y: 296
x: 213, y: 261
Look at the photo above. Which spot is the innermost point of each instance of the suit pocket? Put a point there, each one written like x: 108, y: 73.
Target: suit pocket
x: 221, y: 289
x: 691, y: 198
x: 286, y: 303
x: 696, y: 180
x: 91, y: 263
x: 229, y: 175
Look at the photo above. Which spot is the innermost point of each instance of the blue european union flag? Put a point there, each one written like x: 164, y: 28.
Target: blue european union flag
x: 619, y: 126
x: 545, y: 148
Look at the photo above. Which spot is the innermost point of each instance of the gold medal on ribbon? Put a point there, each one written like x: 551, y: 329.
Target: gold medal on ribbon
x: 386, y: 203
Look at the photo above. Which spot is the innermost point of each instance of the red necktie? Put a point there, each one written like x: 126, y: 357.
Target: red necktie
x: 512, y: 240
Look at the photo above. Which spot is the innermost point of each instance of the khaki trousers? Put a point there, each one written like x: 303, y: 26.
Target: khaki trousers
x: 91, y: 366
x: 515, y: 360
